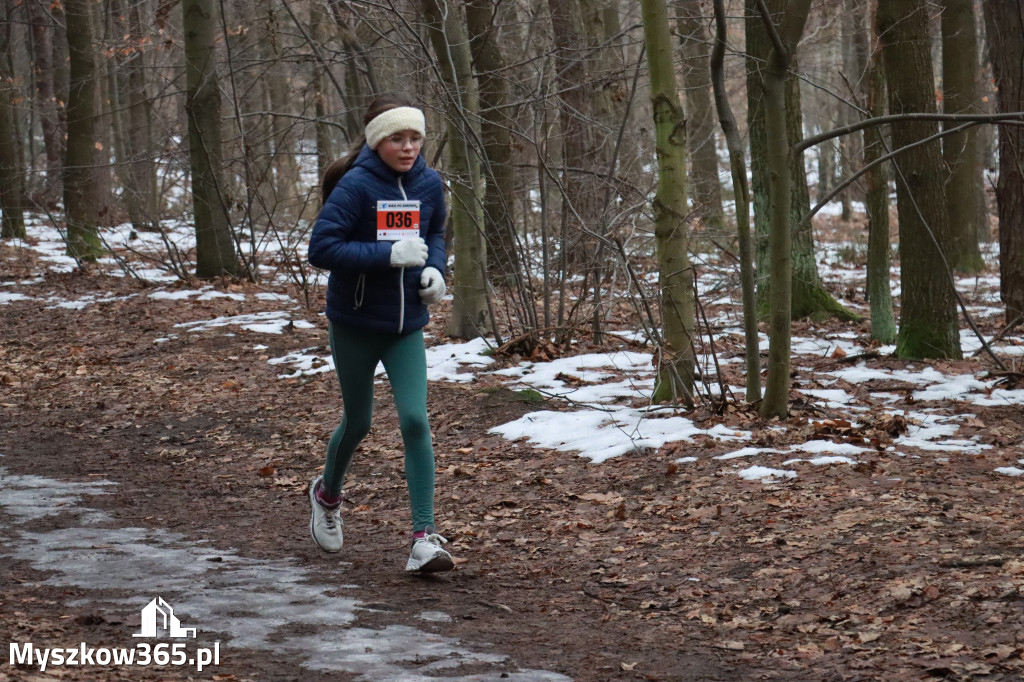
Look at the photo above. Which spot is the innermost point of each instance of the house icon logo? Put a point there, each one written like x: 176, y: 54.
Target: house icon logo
x: 158, y: 615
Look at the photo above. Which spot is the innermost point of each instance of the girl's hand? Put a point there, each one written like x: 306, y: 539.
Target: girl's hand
x: 431, y: 286
x: 409, y: 253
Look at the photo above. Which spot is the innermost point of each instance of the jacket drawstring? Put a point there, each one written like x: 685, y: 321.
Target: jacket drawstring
x: 360, y: 290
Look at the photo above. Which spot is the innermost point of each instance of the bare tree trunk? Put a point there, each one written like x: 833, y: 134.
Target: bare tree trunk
x: 359, y: 67
x: 609, y: 103
x: 602, y: 25
x: 986, y: 135
x: 285, y: 178
x: 738, y: 166
x: 46, y: 101
x: 676, y: 370
x: 140, y: 122
x: 103, y: 150
x: 61, y: 62
x: 580, y: 188
x: 809, y: 298
x: 855, y: 65
x: 826, y: 165
x: 777, y: 115
x: 960, y: 71
x: 133, y: 120
x: 215, y: 246
x: 12, y: 167
x: 82, y: 188
x: 608, y: 94
x: 1005, y: 24
x: 324, y: 139
x: 283, y: 134
x: 757, y: 50
x: 879, y: 292
x: 250, y: 52
x: 116, y: 34
x: 12, y: 171
x: 496, y: 126
x: 448, y: 35
x: 928, y: 321
x: 705, y: 187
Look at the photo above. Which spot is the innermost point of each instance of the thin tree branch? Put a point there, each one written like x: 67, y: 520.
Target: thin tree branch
x: 881, y: 159
x: 773, y: 33
x: 316, y: 49
x: 814, y: 140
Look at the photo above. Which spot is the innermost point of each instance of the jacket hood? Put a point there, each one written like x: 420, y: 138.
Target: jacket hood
x: 369, y: 160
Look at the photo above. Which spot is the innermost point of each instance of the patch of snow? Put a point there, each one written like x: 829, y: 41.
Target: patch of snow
x: 745, y: 452
x: 932, y: 432
x: 445, y: 360
x: 602, y: 434
x: 12, y: 297
x: 819, y: 461
x: 180, y: 295
x: 270, y: 322
x: 756, y: 473
x: 827, y: 446
x: 833, y: 397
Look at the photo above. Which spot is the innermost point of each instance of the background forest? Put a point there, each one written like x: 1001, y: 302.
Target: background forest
x: 596, y: 151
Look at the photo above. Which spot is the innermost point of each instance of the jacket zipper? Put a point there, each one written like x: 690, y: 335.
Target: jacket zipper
x: 401, y: 276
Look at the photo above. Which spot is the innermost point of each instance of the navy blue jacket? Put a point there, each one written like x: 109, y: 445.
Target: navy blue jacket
x: 364, y: 290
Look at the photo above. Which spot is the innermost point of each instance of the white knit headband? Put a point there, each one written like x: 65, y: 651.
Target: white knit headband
x: 395, y: 121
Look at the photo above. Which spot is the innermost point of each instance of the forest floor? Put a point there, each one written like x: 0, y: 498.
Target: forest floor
x: 637, y: 568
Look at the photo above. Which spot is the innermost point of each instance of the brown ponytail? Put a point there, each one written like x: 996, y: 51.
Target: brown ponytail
x: 334, y: 172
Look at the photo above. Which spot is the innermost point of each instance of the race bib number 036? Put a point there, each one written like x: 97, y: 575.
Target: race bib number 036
x: 397, y: 220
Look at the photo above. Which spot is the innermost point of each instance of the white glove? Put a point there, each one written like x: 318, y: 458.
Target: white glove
x: 431, y: 286
x: 409, y: 253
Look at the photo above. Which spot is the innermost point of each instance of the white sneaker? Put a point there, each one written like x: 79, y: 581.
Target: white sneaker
x: 324, y: 524
x: 427, y: 555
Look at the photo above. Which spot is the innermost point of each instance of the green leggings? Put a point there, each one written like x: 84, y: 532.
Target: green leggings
x: 356, y: 354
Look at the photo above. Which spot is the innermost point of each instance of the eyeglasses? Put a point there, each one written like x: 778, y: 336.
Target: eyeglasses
x: 399, y: 142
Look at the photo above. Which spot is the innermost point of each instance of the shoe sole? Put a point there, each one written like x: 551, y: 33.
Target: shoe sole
x: 438, y: 564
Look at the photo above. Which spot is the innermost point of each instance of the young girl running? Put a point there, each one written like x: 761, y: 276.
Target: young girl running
x: 381, y: 234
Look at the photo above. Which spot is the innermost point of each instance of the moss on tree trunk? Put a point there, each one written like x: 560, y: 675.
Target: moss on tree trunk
x: 81, y: 186
x: 810, y: 298
x: 676, y: 371
x: 928, y: 321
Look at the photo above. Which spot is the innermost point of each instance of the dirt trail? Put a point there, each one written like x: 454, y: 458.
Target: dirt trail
x: 635, y: 569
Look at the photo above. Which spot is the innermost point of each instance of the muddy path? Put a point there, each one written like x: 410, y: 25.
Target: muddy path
x: 162, y: 462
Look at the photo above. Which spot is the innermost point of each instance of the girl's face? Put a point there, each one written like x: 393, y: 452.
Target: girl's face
x: 399, y: 151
